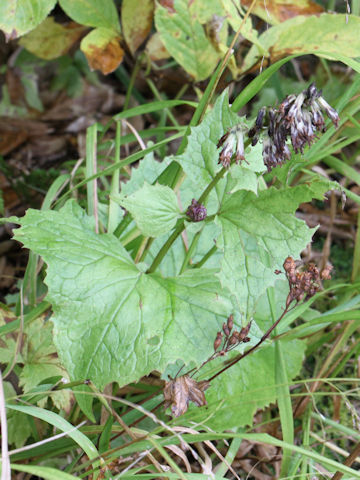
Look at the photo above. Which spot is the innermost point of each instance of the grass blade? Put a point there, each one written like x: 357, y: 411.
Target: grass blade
x: 63, y: 425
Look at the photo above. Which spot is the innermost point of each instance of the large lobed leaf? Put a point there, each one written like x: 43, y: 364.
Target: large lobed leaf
x: 112, y: 322
x: 247, y: 386
x: 257, y: 234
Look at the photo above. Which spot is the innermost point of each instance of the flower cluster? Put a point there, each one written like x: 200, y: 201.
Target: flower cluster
x: 304, y: 284
x: 232, y: 337
x: 196, y: 211
x: 298, y: 118
x: 232, y: 140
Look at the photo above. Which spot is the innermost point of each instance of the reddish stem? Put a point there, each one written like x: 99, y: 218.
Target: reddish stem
x: 263, y: 338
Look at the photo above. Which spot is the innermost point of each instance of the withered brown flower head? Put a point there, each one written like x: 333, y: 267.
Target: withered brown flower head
x: 232, y: 337
x: 304, y: 282
x: 181, y: 391
x: 298, y: 118
x: 232, y: 143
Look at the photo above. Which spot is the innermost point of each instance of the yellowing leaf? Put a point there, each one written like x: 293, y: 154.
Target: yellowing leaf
x: 18, y: 17
x: 51, y: 40
x: 136, y: 17
x: 102, y: 50
x: 156, y: 49
x: 324, y: 33
x: 277, y: 11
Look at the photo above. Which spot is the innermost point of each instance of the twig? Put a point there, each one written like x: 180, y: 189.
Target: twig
x: 263, y: 338
x: 348, y: 462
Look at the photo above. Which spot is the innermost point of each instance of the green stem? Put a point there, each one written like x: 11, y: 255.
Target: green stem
x: 181, y: 224
x: 190, y: 251
x: 158, y: 97
x: 206, y: 257
x: 114, y: 208
x: 132, y: 82
x: 212, y: 184
x: 166, y: 247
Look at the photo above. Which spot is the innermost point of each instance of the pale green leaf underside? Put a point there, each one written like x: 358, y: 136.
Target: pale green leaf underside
x: 112, y: 322
x: 18, y: 17
x: 153, y: 207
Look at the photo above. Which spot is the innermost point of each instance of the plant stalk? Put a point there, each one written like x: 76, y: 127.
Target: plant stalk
x: 262, y: 340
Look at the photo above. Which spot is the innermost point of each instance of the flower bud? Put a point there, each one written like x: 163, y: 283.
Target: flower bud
x: 230, y: 322
x: 196, y: 211
x: 226, y: 329
x: 233, y: 339
x: 218, y: 341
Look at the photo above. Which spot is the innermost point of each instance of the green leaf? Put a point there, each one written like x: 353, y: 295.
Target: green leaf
x: 148, y: 171
x: 7, y: 344
x: 333, y: 34
x: 19, y: 429
x: 184, y: 37
x: 93, y: 13
x: 85, y: 398
x: 60, y: 423
x: 38, y: 354
x: 102, y: 49
x: 18, y: 17
x: 154, y: 208
x: 51, y: 40
x: 107, y: 324
x: 136, y: 19
x: 48, y: 473
x: 258, y: 233
x: 236, y: 394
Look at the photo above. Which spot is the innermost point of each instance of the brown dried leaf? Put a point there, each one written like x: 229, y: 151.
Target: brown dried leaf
x: 182, y: 390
